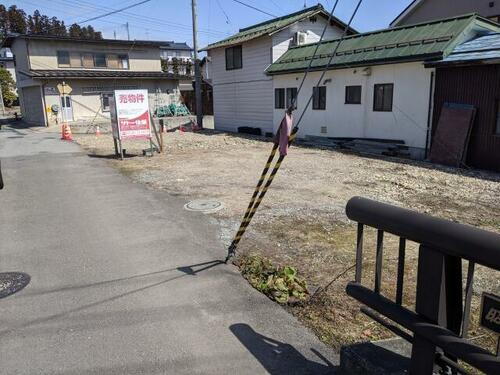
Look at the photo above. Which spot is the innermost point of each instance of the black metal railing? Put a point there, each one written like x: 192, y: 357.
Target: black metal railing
x: 439, y: 323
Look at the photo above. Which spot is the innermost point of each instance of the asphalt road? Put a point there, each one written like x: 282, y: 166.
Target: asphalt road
x: 123, y: 280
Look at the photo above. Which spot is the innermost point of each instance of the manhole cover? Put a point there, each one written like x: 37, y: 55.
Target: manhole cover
x: 12, y: 282
x: 204, y: 205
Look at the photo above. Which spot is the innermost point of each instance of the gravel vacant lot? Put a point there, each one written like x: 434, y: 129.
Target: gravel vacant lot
x: 302, y: 221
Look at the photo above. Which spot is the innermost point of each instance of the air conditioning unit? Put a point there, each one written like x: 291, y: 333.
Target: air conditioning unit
x: 299, y: 38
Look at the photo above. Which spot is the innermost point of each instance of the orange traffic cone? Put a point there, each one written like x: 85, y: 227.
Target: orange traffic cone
x: 66, y: 133
x: 97, y: 131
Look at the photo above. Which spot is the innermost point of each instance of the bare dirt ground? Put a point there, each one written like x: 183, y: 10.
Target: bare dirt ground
x: 302, y: 221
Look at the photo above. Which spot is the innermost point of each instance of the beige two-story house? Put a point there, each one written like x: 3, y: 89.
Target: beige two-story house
x: 92, y: 68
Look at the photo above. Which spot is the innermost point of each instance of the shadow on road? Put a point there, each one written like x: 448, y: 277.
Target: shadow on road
x: 186, y: 271
x: 279, y: 357
x: 111, y: 156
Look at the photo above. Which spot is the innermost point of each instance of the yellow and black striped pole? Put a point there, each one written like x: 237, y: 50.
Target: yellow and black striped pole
x: 254, y: 201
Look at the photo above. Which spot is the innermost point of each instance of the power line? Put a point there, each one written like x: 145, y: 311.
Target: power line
x: 223, y: 12
x: 145, y: 19
x: 115, y: 11
x: 149, y: 19
x: 254, y: 8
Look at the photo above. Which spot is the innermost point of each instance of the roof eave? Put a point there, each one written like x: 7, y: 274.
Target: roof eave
x: 459, y: 63
x: 421, y: 58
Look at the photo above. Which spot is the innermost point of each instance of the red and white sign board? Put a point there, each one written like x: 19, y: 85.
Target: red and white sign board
x: 130, y: 115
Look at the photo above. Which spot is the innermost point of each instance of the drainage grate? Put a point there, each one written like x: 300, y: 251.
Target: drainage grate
x: 204, y: 205
x: 12, y: 282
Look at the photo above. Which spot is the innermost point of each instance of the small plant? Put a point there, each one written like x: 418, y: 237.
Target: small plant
x: 281, y: 284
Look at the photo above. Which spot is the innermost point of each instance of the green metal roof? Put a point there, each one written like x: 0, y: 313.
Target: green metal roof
x: 274, y: 25
x: 419, y: 42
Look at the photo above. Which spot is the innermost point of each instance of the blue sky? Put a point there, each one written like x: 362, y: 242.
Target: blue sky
x: 171, y: 19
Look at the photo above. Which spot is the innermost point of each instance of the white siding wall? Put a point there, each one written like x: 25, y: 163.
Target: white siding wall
x: 243, y: 97
x: 282, y: 39
x: 407, y: 121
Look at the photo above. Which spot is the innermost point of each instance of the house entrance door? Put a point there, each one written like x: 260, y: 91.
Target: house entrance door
x: 67, y: 108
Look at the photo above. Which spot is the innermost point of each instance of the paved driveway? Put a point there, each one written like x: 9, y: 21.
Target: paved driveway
x: 123, y: 280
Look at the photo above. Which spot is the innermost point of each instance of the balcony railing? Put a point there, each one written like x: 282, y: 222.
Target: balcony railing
x: 178, y: 67
x: 438, y: 325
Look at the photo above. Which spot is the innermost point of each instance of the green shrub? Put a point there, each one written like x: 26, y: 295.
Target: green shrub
x: 281, y: 284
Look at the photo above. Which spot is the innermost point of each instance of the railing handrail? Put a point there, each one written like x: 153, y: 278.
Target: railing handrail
x: 476, y: 245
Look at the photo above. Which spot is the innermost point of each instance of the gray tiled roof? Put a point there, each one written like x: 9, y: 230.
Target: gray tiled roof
x: 48, y: 74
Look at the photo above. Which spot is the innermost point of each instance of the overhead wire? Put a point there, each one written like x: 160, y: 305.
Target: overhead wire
x: 114, y: 11
x: 260, y: 192
x: 150, y: 19
x: 255, y: 8
x: 132, y: 25
x: 223, y: 12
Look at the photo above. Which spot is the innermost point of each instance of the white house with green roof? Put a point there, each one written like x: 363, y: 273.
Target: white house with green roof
x: 242, y: 91
x: 377, y: 86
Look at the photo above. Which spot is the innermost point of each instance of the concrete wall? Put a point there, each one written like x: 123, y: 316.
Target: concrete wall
x: 32, y: 110
x: 43, y: 54
x: 407, y: 121
x: 427, y: 10
x: 86, y: 96
x: 282, y: 40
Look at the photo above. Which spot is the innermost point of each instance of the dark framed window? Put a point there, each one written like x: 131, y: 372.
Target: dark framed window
x: 63, y: 58
x: 319, y: 97
x: 279, y: 98
x: 382, y: 97
x: 291, y: 97
x: 106, y: 97
x: 233, y: 58
x: 353, y: 95
x: 100, y: 60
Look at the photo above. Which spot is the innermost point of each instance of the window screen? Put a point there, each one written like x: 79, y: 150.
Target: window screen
x: 75, y: 59
x: 100, y: 60
x: 382, y: 98
x: 63, y: 58
x: 279, y: 98
x: 319, y: 97
x: 88, y: 60
x: 291, y: 95
x: 113, y: 61
x: 233, y: 58
x: 353, y: 95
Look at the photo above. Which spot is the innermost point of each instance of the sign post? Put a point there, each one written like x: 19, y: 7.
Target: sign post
x: 490, y: 315
x: 130, y: 118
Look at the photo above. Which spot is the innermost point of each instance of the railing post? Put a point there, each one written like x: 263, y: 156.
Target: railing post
x: 428, y: 304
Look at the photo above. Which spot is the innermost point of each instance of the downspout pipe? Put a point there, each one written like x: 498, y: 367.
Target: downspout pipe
x: 429, y: 116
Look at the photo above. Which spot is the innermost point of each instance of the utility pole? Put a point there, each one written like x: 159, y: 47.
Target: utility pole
x: 1, y: 101
x: 128, y: 31
x: 197, y: 72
